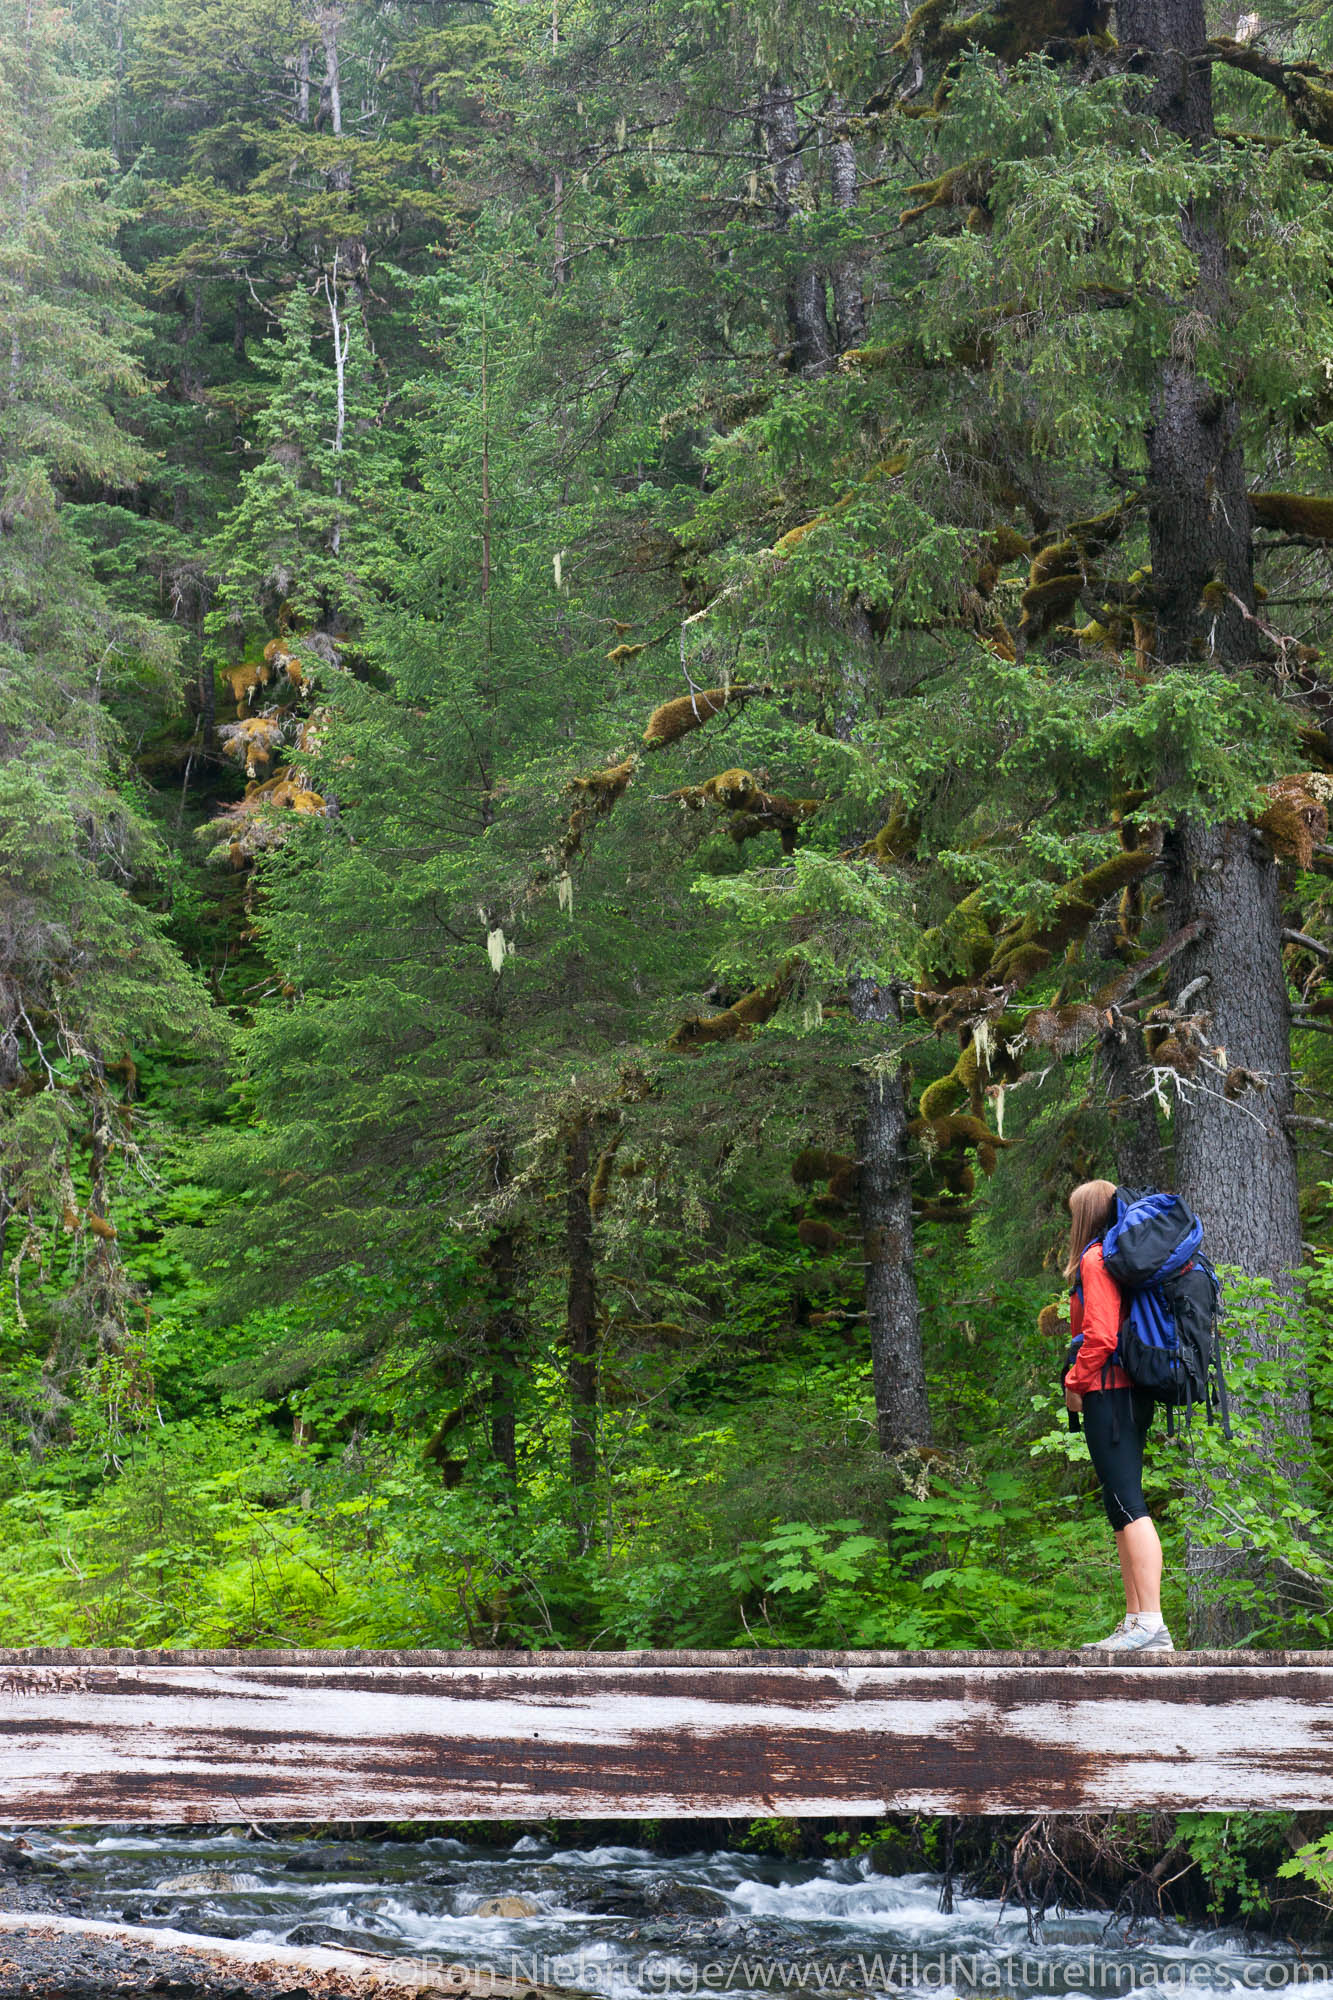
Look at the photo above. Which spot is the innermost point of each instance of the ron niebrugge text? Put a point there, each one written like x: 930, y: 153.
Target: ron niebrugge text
x: 942, y: 1972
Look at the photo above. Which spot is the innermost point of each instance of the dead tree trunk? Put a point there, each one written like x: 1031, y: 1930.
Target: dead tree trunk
x: 581, y: 1323
x: 1235, y: 1161
x: 901, y: 1407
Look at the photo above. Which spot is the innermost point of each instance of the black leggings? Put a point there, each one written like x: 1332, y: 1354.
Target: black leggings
x: 1118, y: 1464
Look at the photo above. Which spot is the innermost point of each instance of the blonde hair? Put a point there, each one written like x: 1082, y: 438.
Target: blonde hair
x: 1092, y: 1211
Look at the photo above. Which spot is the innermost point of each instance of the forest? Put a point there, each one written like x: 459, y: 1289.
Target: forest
x: 661, y: 667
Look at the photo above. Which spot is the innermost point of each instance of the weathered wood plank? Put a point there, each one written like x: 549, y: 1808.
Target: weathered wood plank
x: 179, y: 1737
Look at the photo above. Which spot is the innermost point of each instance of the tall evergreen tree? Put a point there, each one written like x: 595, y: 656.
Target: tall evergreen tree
x: 1088, y: 330
x: 86, y: 974
x: 806, y: 739
x: 309, y: 538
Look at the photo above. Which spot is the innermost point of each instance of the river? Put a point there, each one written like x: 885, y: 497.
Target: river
x: 623, y: 1923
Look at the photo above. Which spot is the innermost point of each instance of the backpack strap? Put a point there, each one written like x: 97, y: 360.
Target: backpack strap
x: 1223, y: 1400
x: 1107, y: 1366
x: 1076, y: 1289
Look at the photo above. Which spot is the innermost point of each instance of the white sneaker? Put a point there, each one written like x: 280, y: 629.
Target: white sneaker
x: 1112, y: 1642
x: 1158, y: 1640
x: 1132, y: 1637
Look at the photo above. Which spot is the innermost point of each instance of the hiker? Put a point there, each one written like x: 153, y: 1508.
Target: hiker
x: 1116, y: 1414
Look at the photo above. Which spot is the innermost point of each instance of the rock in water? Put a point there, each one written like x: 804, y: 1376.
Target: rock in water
x: 505, y: 1906
x: 657, y: 1897
x: 208, y: 1882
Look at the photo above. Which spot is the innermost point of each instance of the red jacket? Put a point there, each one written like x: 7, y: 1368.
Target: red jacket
x: 1097, y: 1317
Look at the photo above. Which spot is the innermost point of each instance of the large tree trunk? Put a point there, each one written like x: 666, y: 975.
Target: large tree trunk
x: 812, y: 346
x: 901, y: 1407
x: 849, y: 309
x: 1235, y: 1161
x: 581, y: 1324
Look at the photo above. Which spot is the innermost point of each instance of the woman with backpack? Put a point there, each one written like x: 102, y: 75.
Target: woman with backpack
x: 1116, y: 1415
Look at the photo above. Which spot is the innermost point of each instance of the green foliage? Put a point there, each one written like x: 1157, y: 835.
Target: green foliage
x: 493, y: 400
x: 1263, y: 1517
x: 308, y: 536
x: 1228, y: 1849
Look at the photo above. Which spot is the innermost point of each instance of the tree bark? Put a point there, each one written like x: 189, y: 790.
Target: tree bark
x: 1235, y: 1161
x: 330, y: 23
x: 849, y: 311
x: 1137, y: 1143
x: 581, y: 1323
x: 1235, y: 1158
x: 812, y: 347
x: 893, y: 1311
x: 504, y: 1331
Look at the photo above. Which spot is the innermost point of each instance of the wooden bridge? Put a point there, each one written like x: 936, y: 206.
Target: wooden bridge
x: 175, y: 1737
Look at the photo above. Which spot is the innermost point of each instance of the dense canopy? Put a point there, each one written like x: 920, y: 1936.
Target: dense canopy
x: 660, y: 668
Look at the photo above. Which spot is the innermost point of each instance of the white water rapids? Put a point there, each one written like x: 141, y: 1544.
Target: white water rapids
x: 706, y: 1922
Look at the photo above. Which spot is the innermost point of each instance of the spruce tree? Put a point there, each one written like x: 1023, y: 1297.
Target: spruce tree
x: 87, y: 975
x: 1002, y: 542
x: 309, y: 539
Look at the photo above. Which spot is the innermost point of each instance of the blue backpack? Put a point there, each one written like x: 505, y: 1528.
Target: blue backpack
x: 1168, y: 1337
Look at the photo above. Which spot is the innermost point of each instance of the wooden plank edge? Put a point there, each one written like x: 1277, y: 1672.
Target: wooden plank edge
x: 360, y: 1974
x: 741, y: 1658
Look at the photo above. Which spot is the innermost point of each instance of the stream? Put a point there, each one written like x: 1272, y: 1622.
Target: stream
x: 621, y: 1922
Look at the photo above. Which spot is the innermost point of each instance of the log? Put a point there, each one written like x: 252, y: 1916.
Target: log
x: 198, y: 1737
x: 90, y: 1949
